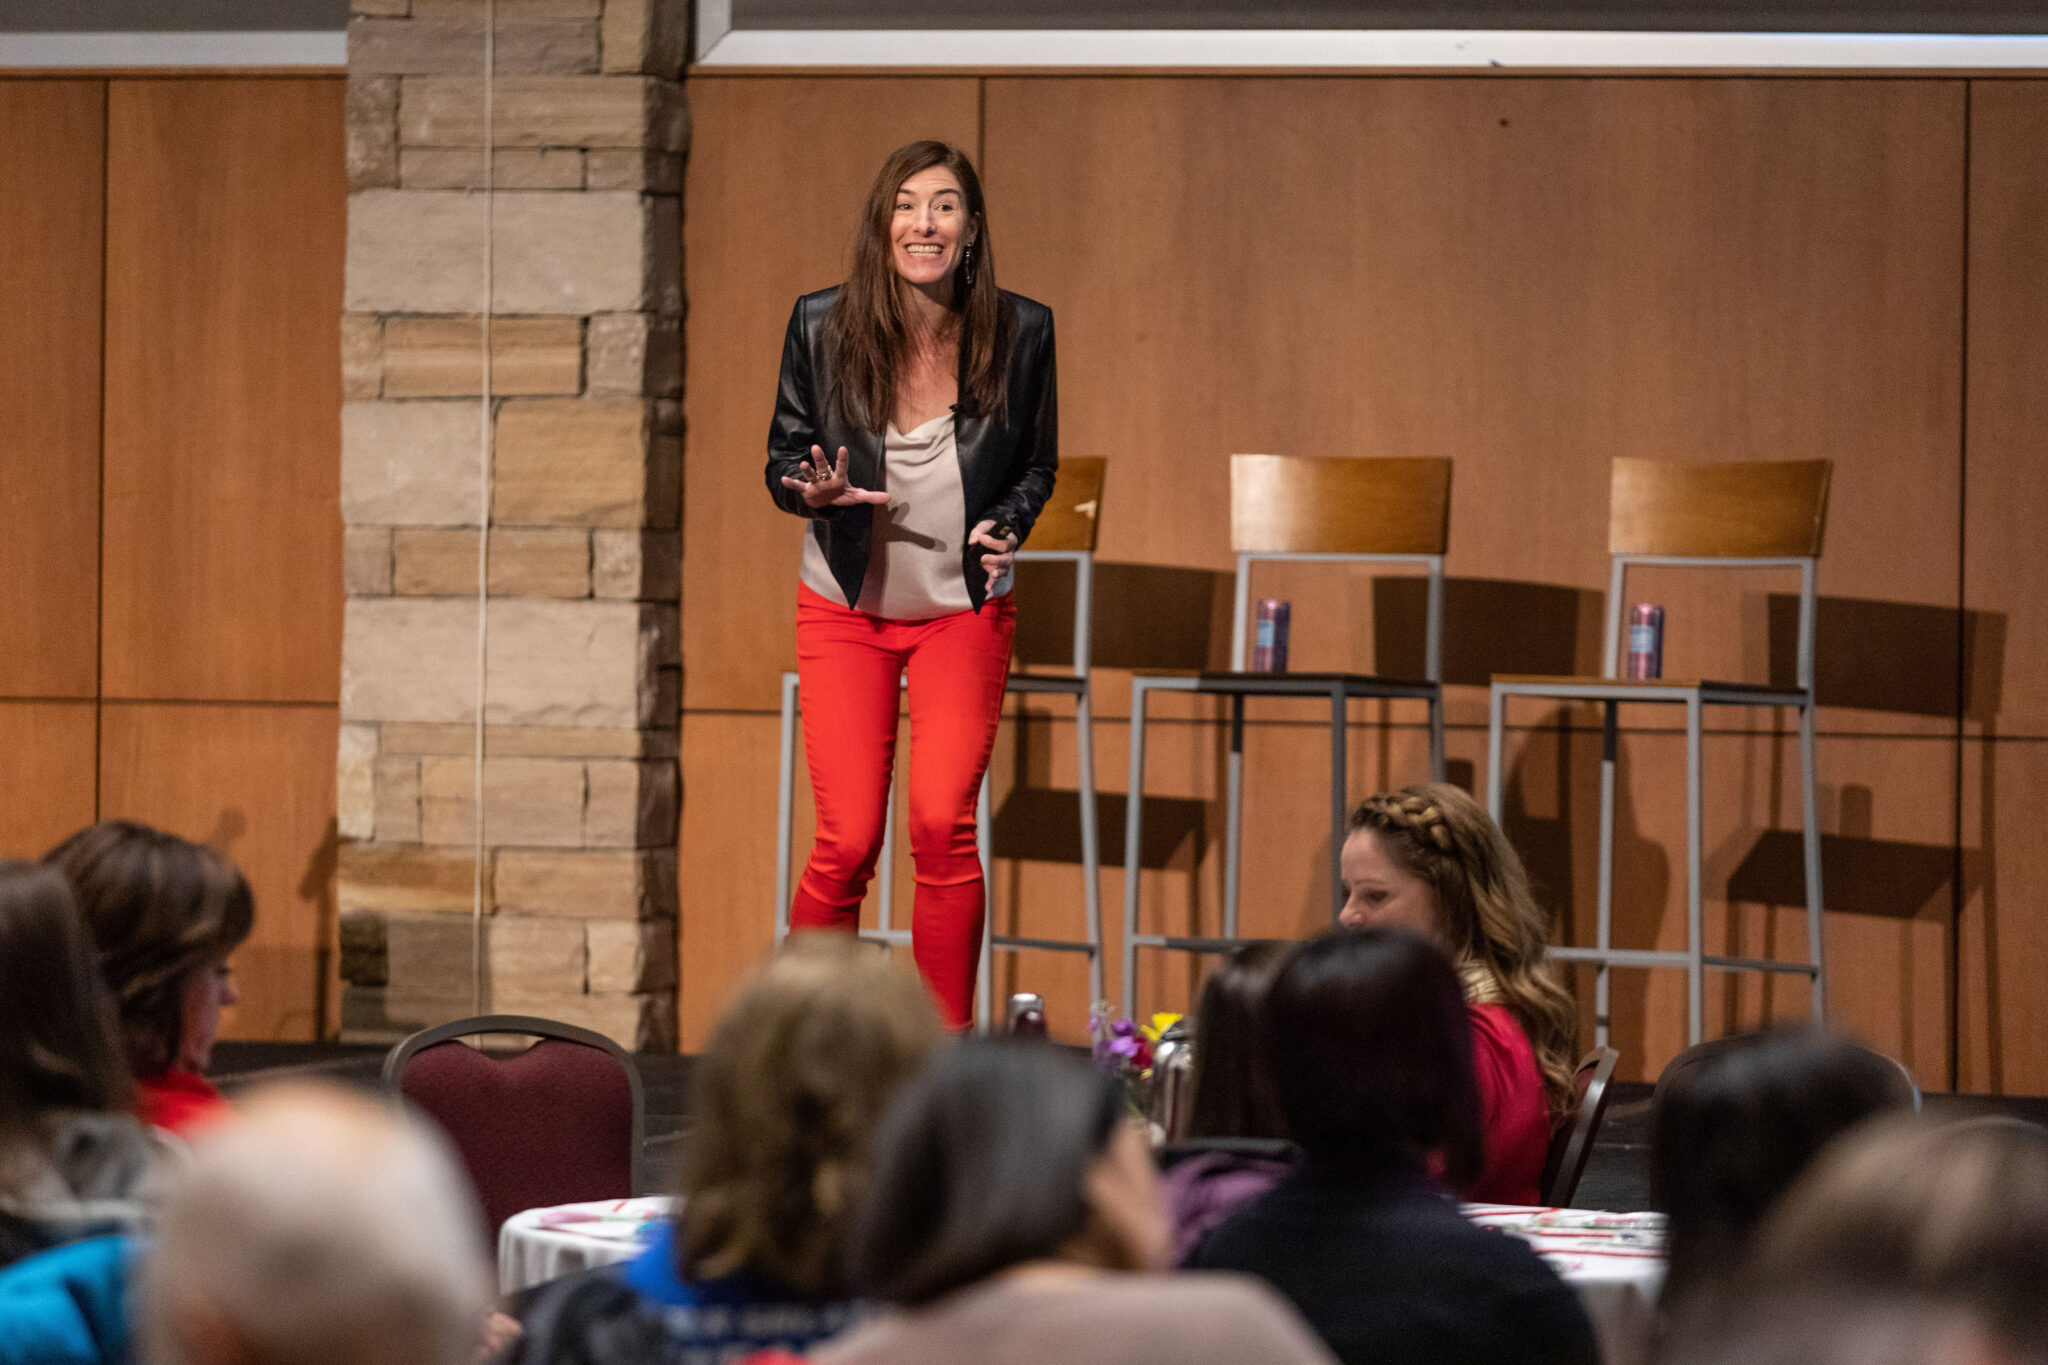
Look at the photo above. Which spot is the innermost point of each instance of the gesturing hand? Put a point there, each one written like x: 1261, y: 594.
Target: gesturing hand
x: 1003, y: 551
x: 824, y: 484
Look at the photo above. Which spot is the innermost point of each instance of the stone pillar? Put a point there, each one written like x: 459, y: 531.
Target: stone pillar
x: 580, y: 775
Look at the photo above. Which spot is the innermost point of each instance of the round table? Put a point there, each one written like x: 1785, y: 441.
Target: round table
x: 1614, y: 1260
x: 544, y: 1244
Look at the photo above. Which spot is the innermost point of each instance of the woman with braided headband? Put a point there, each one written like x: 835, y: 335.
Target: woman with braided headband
x: 1431, y: 859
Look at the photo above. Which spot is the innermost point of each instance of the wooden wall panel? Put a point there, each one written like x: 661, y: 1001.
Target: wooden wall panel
x: 46, y: 774
x: 2008, y: 479
x: 257, y: 782
x: 52, y: 141
x: 223, y: 422
x: 779, y: 171
x: 2003, y: 1042
x: 1529, y: 276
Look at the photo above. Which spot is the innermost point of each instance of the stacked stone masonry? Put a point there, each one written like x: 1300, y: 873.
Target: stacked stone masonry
x: 579, y: 778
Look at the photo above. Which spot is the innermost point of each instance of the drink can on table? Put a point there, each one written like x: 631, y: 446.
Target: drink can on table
x: 1027, y: 1014
x: 1269, y: 645
x: 1645, y: 642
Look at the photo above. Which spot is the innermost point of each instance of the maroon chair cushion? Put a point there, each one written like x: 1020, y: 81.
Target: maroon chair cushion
x: 550, y: 1125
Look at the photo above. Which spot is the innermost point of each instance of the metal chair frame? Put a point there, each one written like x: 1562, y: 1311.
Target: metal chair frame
x: 1238, y: 685
x: 1694, y: 697
x: 1573, y: 1148
x: 1075, y: 684
x: 529, y: 1025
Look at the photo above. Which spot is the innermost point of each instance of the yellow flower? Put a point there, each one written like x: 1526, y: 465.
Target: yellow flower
x: 1161, y: 1022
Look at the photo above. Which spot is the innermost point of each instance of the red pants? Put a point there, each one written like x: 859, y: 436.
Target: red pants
x: 849, y: 667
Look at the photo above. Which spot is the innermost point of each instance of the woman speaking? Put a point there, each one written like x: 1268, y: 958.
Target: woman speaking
x: 917, y: 430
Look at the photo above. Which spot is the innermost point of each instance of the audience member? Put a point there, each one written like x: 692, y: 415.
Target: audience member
x: 1956, y: 1212
x: 74, y: 1160
x: 317, y: 1228
x: 1011, y: 1217
x: 785, y: 1100
x: 1429, y: 859
x: 164, y: 915
x: 1833, y: 1327
x: 1236, y: 1145
x: 1732, y: 1130
x: 1367, y: 1039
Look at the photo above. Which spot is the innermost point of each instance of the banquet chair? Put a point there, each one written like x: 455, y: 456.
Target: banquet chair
x: 1763, y: 514
x: 1572, y: 1146
x: 560, y: 1122
x: 1065, y: 531
x: 1316, y: 510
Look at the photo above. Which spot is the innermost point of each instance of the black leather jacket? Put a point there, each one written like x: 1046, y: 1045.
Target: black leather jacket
x: 1007, y: 466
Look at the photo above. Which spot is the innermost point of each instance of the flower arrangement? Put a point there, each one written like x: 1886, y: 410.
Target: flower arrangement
x: 1123, y: 1050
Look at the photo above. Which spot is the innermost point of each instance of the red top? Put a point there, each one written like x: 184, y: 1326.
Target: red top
x: 179, y: 1101
x: 1513, y: 1117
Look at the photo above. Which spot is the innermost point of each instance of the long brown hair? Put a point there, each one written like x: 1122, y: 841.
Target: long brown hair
x: 1487, y: 917
x: 57, y: 1043
x: 868, y: 328
x: 1233, y: 1096
x: 160, y: 908
x: 787, y: 1095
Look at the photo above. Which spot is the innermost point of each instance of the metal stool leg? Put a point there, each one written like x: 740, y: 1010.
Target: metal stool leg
x: 1091, y: 843
x: 1436, y: 737
x: 1340, y: 804
x: 1134, y: 805
x: 785, y: 807
x: 1695, y: 985
x: 1811, y: 837
x: 1610, y: 743
x: 982, y: 987
x: 1233, y: 818
x: 1496, y: 780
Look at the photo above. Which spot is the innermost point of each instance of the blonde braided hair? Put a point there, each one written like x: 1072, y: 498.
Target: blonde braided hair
x: 1487, y: 917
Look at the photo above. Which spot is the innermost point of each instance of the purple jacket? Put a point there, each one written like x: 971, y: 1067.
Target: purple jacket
x: 1204, y: 1189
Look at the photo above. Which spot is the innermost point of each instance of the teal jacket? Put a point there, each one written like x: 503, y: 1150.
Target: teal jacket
x: 68, y: 1306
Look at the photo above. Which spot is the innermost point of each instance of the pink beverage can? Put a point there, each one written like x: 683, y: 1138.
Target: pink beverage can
x: 1269, y: 644
x: 1645, y: 642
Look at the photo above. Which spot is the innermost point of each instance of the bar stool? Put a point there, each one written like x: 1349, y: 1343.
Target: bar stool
x: 1065, y: 530
x: 1766, y: 514
x: 1301, y: 509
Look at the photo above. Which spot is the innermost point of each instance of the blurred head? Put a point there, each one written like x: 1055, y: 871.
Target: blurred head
x: 1233, y: 1098
x: 1957, y: 1212
x: 1730, y: 1133
x: 1429, y: 859
x: 787, y: 1095
x: 317, y: 1228
x: 1809, y: 1327
x: 1002, y: 1153
x: 1366, y: 1040
x: 164, y: 914
x: 57, y: 1045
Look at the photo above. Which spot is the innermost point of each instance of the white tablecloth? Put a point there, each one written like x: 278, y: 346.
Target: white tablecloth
x: 1614, y: 1260
x: 541, y: 1244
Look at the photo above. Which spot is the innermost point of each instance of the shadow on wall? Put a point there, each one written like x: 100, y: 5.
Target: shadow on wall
x: 1904, y: 657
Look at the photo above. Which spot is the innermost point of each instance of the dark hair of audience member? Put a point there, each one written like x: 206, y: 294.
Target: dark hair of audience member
x: 1730, y: 1133
x: 1233, y: 1098
x: 981, y: 1164
x: 1365, y: 1037
x: 160, y: 909
x: 57, y: 1043
x: 1955, y: 1211
x: 786, y: 1098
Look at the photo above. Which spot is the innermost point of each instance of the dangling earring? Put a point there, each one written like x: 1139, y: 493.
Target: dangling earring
x: 967, y: 267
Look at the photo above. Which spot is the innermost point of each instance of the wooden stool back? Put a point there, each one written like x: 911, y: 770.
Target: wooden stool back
x: 1301, y: 504
x: 1764, y: 509
x: 1074, y: 511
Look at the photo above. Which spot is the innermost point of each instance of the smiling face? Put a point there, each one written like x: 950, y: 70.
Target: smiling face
x: 1381, y: 894
x: 930, y: 227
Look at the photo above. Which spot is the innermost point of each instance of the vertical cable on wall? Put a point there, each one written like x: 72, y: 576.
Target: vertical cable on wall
x: 483, y: 532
